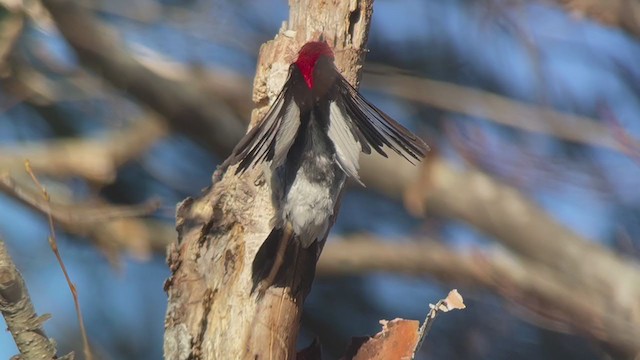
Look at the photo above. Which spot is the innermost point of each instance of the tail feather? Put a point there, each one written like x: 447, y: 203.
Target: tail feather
x: 297, y: 268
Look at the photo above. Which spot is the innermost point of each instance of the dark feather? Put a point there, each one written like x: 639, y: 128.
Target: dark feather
x: 373, y: 128
x: 272, y: 137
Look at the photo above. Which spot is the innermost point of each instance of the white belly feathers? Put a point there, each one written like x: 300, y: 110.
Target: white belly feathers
x: 308, y: 207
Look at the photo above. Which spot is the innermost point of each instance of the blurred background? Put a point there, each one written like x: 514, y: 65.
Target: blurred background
x: 528, y: 204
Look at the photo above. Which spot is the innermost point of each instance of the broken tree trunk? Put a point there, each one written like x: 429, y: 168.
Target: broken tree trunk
x: 213, y: 312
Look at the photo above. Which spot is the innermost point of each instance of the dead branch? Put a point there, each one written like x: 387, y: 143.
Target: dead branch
x: 22, y: 321
x: 95, y: 160
x: 221, y: 231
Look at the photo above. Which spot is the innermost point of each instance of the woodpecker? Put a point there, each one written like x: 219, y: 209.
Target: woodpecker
x: 312, y: 136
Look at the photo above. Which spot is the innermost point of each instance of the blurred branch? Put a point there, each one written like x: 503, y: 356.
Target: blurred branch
x: 182, y: 105
x: 74, y: 215
x: 624, y: 14
x: 94, y: 160
x: 519, y: 224
x: 625, y: 139
x: 77, y: 84
x: 38, y: 88
x: 496, y: 108
x: 11, y: 24
x: 112, y: 228
x: 227, y: 85
x: 109, y: 227
x: 19, y: 314
x: 528, y: 283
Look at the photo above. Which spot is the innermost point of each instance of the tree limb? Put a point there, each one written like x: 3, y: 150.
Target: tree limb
x: 95, y: 160
x: 221, y: 231
x: 18, y: 311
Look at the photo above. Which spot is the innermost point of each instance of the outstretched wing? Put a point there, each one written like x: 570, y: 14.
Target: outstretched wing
x: 272, y: 137
x: 357, y: 125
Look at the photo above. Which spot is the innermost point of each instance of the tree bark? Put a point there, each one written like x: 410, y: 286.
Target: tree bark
x: 213, y: 312
x: 22, y: 321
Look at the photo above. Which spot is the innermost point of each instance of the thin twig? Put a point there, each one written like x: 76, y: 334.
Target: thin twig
x: 54, y: 247
x: 453, y: 301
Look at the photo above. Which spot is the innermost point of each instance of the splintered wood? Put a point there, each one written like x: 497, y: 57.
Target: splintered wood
x: 400, y: 338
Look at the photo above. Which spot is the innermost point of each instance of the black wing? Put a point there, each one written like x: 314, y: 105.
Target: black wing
x: 272, y: 137
x: 358, y: 124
